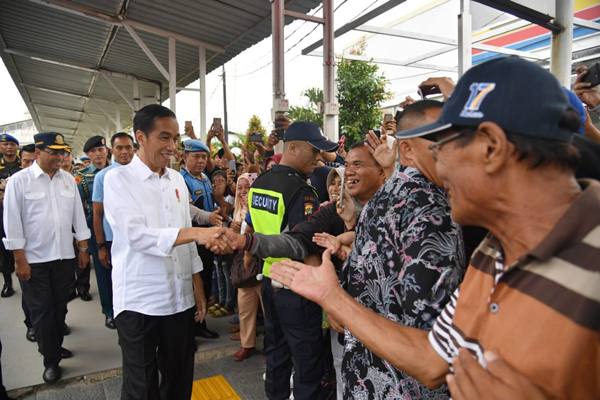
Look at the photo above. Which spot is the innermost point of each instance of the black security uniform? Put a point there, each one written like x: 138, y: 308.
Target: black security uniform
x: 293, y: 334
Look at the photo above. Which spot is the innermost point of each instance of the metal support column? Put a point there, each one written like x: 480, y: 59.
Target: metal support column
x: 562, y: 43
x: 225, y: 128
x: 280, y: 104
x: 330, y: 106
x: 172, y: 73
x: 464, y: 37
x: 136, y: 95
x: 202, y: 80
x: 118, y: 125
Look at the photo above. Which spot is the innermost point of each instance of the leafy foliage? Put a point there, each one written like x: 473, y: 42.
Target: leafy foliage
x: 312, y: 111
x: 254, y: 125
x: 361, y: 90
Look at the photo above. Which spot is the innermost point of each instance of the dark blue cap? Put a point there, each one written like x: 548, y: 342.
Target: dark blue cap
x: 94, y: 141
x: 518, y: 95
x: 311, y: 133
x: 51, y: 140
x: 194, y: 145
x: 5, y: 137
x: 577, y: 106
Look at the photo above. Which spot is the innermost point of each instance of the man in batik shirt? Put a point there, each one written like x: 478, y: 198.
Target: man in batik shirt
x: 406, y: 262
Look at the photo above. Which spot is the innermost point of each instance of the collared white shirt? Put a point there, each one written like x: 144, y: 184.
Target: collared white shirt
x: 146, y: 212
x: 40, y: 214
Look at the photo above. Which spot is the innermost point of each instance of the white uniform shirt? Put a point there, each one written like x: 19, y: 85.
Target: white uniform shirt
x: 40, y: 214
x: 145, y: 212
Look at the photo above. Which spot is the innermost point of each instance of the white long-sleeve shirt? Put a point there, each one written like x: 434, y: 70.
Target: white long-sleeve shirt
x: 40, y: 215
x: 146, y: 211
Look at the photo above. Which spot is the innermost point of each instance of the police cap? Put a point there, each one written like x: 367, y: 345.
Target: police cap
x: 94, y: 141
x: 194, y: 145
x: 311, y: 133
x: 51, y: 140
x: 5, y: 138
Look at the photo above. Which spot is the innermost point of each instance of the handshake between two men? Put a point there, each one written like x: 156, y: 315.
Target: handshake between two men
x: 221, y: 240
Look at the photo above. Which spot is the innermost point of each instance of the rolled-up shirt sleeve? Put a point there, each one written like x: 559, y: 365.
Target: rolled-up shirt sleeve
x: 82, y: 232
x: 12, y: 214
x: 128, y: 222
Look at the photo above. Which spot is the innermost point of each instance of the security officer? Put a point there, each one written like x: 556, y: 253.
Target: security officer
x: 195, y: 156
x: 9, y: 165
x: 95, y: 149
x: 278, y: 200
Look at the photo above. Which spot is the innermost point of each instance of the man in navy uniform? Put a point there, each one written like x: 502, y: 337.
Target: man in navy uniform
x: 95, y: 149
x: 196, y: 155
x: 42, y: 209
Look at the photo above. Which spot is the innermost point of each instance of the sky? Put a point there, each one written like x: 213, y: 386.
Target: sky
x: 249, y: 83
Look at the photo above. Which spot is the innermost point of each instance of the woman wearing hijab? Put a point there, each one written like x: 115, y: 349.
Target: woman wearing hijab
x: 244, y: 272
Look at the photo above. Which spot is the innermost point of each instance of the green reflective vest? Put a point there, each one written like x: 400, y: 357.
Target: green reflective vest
x: 268, y: 201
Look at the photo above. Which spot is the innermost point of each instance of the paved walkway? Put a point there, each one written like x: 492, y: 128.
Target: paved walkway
x: 94, y: 371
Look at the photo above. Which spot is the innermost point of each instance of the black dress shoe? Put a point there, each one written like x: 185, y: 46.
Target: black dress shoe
x: 110, y: 323
x: 30, y: 335
x: 52, y: 374
x: 204, y: 332
x: 85, y: 296
x: 64, y: 353
x: 66, y: 330
x: 7, y: 291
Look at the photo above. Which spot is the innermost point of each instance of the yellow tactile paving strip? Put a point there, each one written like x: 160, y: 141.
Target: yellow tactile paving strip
x: 213, y: 388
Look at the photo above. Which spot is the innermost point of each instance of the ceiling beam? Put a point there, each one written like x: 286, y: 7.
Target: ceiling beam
x: 97, y: 15
x: 355, y: 23
x: 48, y: 60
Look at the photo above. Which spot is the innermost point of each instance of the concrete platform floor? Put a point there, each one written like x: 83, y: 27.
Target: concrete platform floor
x: 94, y: 371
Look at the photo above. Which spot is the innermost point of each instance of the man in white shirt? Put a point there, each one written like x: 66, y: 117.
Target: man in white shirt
x: 42, y: 207
x: 157, y: 289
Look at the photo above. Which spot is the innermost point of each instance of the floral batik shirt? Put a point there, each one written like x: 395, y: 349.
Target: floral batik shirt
x: 407, y: 260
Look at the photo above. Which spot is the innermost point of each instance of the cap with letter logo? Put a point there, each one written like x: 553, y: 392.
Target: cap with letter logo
x: 518, y: 95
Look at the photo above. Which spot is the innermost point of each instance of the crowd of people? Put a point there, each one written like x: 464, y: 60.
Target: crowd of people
x: 452, y: 252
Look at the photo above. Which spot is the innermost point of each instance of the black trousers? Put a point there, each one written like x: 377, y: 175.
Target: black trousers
x: 46, y: 295
x: 153, y: 344
x: 208, y: 266
x: 293, y: 337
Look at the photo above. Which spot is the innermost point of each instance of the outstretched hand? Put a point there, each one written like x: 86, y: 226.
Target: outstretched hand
x: 313, y: 283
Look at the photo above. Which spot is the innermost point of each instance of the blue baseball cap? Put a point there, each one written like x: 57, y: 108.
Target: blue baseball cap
x: 84, y: 158
x: 5, y: 137
x: 518, y: 95
x: 577, y: 106
x: 195, y: 145
x: 311, y: 133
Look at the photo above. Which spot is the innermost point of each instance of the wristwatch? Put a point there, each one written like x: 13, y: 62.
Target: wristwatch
x: 101, y: 245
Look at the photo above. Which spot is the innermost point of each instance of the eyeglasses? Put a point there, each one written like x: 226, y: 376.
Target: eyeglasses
x: 435, y: 147
x: 54, y: 152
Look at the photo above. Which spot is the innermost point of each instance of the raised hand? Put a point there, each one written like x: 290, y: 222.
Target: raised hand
x: 587, y: 94
x: 313, y: 283
x: 445, y: 84
x: 380, y: 150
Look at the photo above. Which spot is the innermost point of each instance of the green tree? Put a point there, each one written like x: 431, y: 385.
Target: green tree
x: 361, y: 89
x: 310, y: 112
x: 254, y: 125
